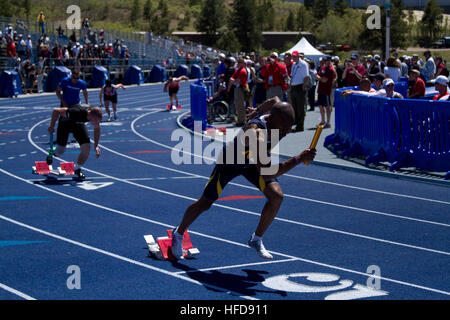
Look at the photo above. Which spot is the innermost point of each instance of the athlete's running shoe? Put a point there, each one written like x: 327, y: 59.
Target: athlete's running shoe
x: 177, y: 244
x: 259, y: 247
x: 80, y: 174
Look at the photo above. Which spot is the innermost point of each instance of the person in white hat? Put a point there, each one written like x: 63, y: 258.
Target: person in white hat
x: 387, y: 91
x: 441, y: 86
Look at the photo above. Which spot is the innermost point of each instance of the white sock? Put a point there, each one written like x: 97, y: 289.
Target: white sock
x: 255, y: 237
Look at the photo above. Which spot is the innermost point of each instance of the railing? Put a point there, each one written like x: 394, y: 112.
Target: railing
x: 403, y: 132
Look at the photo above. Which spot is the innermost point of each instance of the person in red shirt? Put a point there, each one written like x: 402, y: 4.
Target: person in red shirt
x: 418, y: 89
x: 11, y: 49
x: 172, y: 85
x: 241, y: 90
x: 326, y: 77
x: 440, y: 67
x: 441, y: 86
x: 275, y: 75
x: 354, y: 72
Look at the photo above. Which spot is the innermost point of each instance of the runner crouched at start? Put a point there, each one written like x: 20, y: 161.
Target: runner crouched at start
x: 72, y: 120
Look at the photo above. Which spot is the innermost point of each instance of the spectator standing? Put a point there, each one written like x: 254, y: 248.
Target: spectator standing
x: 241, y: 90
x: 429, y: 70
x: 339, y: 72
x: 325, y: 77
x: 418, y: 86
x: 275, y: 75
x: 29, y: 49
x: 41, y: 21
x: 30, y: 76
x: 392, y: 69
x: 312, y: 91
x: 354, y: 71
x: 300, y: 75
x: 260, y: 90
x: 441, y: 69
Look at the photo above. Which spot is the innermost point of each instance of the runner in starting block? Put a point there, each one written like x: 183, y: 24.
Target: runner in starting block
x: 161, y: 248
x: 172, y: 85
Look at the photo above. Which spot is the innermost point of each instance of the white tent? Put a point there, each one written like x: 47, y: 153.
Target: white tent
x: 303, y: 46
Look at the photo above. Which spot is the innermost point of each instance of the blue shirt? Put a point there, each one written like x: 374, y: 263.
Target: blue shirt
x: 71, y: 91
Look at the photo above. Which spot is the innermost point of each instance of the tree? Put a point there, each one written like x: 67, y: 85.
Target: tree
x: 210, y: 20
x: 304, y: 18
x: 228, y: 41
x: 27, y: 7
x: 243, y: 24
x: 340, y: 6
x: 134, y: 14
x: 320, y: 9
x: 147, y: 13
x: 290, y: 22
x: 309, y: 3
x: 431, y: 20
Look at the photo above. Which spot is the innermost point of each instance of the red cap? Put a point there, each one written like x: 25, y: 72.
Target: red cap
x: 295, y: 53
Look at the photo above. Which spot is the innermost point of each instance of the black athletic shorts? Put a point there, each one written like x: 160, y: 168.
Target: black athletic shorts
x: 78, y: 130
x: 173, y: 91
x: 222, y: 174
x: 112, y: 98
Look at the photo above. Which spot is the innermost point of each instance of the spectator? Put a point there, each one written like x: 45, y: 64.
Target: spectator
x: 387, y: 91
x: 339, y: 72
x: 241, y: 90
x: 429, y: 70
x: 392, y: 69
x: 325, y: 77
x: 404, y: 66
x: 366, y: 85
x: 441, y: 69
x: 41, y: 21
x: 418, y: 86
x: 275, y: 75
x: 441, y: 86
x: 377, y: 81
x: 311, y: 94
x: 30, y: 76
x: 260, y: 90
x: 354, y: 71
x: 29, y: 49
x: 221, y: 68
x: 11, y: 49
x: 300, y: 76
x: 374, y: 67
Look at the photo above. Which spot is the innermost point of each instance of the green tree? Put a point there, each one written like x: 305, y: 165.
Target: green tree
x: 229, y: 42
x: 27, y: 6
x: 134, y: 14
x: 304, y: 18
x: 147, y: 13
x: 432, y: 21
x: 321, y: 8
x: 210, y: 20
x: 290, y: 21
x: 7, y: 8
x: 243, y: 24
x: 340, y: 6
x: 309, y: 3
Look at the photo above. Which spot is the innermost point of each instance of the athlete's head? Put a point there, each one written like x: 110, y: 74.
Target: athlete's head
x: 108, y: 83
x: 282, y: 117
x: 95, y: 116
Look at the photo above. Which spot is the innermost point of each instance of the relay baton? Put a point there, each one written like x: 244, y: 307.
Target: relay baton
x: 315, y: 139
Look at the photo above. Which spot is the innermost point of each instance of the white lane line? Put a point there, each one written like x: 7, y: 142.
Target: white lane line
x: 16, y: 292
x: 119, y: 257
x: 367, y: 189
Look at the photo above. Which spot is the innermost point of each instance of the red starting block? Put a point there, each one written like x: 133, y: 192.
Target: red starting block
x: 42, y: 168
x: 174, y: 107
x: 161, y: 248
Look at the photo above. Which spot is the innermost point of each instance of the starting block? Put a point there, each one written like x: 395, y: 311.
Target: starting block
x: 160, y: 248
x: 45, y: 169
x: 173, y: 107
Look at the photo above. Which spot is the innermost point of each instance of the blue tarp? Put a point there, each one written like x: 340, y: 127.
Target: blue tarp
x: 158, y: 74
x: 55, y: 77
x: 99, y: 76
x: 196, y: 72
x: 182, y: 70
x: 133, y: 75
x: 10, y: 84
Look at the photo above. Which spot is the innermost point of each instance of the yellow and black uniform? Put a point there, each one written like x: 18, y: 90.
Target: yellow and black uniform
x: 238, y: 163
x: 73, y: 123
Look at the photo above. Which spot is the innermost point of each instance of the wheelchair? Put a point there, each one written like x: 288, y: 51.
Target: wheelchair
x: 217, y: 111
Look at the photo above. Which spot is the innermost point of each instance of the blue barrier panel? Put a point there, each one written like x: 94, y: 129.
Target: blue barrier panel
x: 402, y: 88
x: 206, y: 71
x: 198, y: 103
x: 182, y: 70
x: 404, y: 132
x: 54, y: 78
x: 158, y: 74
x: 196, y: 72
x: 10, y: 84
x: 133, y: 75
x: 99, y: 76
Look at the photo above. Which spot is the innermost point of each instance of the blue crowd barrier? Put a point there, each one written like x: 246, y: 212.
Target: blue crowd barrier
x: 196, y: 72
x: 158, y: 74
x: 54, y: 78
x: 99, y: 76
x: 403, y: 132
x: 133, y: 75
x: 10, y: 84
x: 182, y: 70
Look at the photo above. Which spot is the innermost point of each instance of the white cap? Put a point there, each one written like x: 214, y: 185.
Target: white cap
x: 441, y: 80
x: 387, y: 82
x: 274, y: 54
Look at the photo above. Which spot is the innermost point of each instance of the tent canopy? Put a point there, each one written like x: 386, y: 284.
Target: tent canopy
x: 307, y: 49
